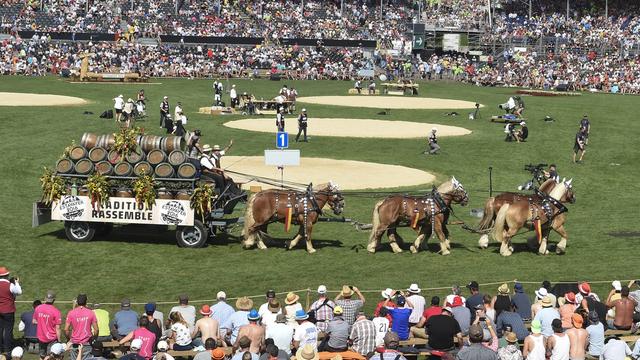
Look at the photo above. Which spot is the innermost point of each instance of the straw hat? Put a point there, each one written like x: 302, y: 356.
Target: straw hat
x: 216, y: 148
x: 274, y: 306
x: 503, y: 289
x: 308, y: 352
x: 546, y: 301
x: 244, y: 304
x: 206, y: 148
x: 414, y: 289
x: 346, y: 291
x: 386, y: 293
x: 511, y: 337
x: 292, y: 298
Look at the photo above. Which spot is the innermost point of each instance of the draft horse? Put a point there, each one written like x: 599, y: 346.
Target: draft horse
x: 424, y: 214
x: 547, y: 211
x: 494, y: 204
x: 288, y: 207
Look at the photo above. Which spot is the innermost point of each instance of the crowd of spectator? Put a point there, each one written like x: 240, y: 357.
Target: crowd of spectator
x: 564, y: 321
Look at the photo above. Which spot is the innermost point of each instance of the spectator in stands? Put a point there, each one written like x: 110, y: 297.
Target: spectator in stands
x: 475, y: 299
x: 274, y: 309
x: 400, y: 316
x: 441, y: 330
x: 207, y: 327
x: 238, y: 318
x: 28, y: 327
x: 391, y: 344
x: 386, y: 295
x: 558, y: 344
x: 521, y: 303
x: 590, y: 301
x: 136, y: 345
x: 418, y: 330
x: 349, y: 306
x: 48, y: 320
x: 487, y: 307
x: 418, y: 302
x: 306, y: 333
x: 537, y: 304
x: 623, y: 308
x: 244, y: 345
x: 272, y: 352
x: 57, y: 350
x: 209, y: 346
x: 614, y: 349
x: 147, y: 338
x: 578, y: 338
x: 222, y: 311
x: 281, y: 333
x: 475, y: 351
x: 81, y: 325
x: 382, y: 326
x: 322, y: 309
x: 264, y: 308
x: 180, y: 339
x: 9, y: 289
x: 292, y: 307
x: 307, y: 352
x: 154, y: 325
x: 363, y: 335
x: 337, y: 332
x: 124, y: 321
x: 163, y: 347
x: 462, y: 314
x: 17, y: 353
x: 455, y: 291
x: 102, y: 316
x: 547, y: 286
x: 512, y: 350
x: 534, y: 344
x: 596, y: 335
x: 546, y: 316
x: 511, y: 319
x: 568, y: 309
x: 253, y: 331
x: 502, y: 301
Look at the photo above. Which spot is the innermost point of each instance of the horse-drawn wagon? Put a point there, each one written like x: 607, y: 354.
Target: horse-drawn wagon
x: 97, y: 185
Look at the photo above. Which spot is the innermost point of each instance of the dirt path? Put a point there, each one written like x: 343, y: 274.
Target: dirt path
x: 362, y: 128
x: 389, y: 102
x: 28, y: 99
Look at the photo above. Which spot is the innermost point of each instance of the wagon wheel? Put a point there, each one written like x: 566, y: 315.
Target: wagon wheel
x: 192, y: 236
x: 79, y: 231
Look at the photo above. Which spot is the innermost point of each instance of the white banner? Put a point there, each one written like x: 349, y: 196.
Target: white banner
x: 451, y: 42
x: 123, y: 210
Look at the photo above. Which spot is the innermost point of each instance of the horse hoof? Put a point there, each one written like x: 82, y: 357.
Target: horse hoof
x: 413, y: 249
x: 511, y: 249
x: 446, y: 252
x: 287, y: 245
x: 262, y: 246
x: 447, y: 244
x: 311, y: 251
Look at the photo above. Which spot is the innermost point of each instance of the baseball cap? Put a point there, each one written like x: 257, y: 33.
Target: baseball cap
x: 536, y: 327
x: 150, y: 308
x: 221, y: 295
x: 617, y: 285
x: 51, y: 296
x: 391, y: 338
x: 136, y: 344
x: 337, y: 310
x: 322, y: 289
x: 271, y: 294
x: 163, y: 345
x: 17, y: 352
x: 58, y: 349
x: 475, y: 332
x: 125, y: 303
x: 400, y: 300
x: 473, y: 285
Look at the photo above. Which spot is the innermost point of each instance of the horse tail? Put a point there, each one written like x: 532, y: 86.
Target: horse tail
x: 375, y: 222
x: 489, y: 214
x: 249, y: 220
x: 501, y: 220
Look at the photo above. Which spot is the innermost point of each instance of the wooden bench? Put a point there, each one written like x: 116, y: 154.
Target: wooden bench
x: 413, y: 342
x: 630, y: 339
x: 364, y: 91
x: 113, y: 344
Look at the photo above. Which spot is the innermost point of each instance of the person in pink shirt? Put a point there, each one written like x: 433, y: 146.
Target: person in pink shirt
x: 147, y: 337
x: 80, y: 326
x: 47, y: 319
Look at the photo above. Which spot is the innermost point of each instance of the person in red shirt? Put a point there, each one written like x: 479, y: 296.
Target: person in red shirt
x: 80, y: 326
x: 434, y: 309
x: 48, y: 319
x: 386, y: 295
x: 9, y: 289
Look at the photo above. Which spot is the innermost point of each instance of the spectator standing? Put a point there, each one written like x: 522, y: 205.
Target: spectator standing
x: 322, y: 309
x: 80, y: 326
x: 9, y: 289
x: 350, y: 307
x: 596, y: 335
x: 118, y: 106
x: 28, y: 327
x: 164, y: 110
x: 48, y: 320
x: 281, y: 333
x: 124, y: 321
x: 238, y: 318
x: 338, y: 332
x: 512, y: 350
x: 534, y: 346
x: 418, y: 302
x: 475, y: 299
x: 252, y: 331
x: 578, y: 338
x: 102, y: 316
x: 400, y: 317
x: 264, y: 308
x: 363, y: 335
x: 442, y: 329
x: 546, y: 316
x: 187, y: 311
x: 521, y: 303
x: 476, y: 351
x: 146, y: 337
x: 222, y: 311
x: 206, y: 326
x: 381, y: 324
x: 306, y: 334
x: 558, y: 344
x: 292, y: 307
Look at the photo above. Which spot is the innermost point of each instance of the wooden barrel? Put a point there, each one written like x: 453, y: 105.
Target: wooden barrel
x: 106, y: 141
x: 183, y: 195
x: 104, y: 168
x: 164, y: 170
x: 156, y: 156
x: 123, y: 169
x: 123, y: 193
x: 177, y: 157
x: 170, y: 143
x: 114, y: 157
x: 64, y: 166
x: 135, y: 157
x: 150, y: 142
x: 97, y: 154
x: 187, y: 171
x: 142, y: 167
x: 89, y: 140
x: 83, y: 167
x: 163, y: 193
x: 77, y: 153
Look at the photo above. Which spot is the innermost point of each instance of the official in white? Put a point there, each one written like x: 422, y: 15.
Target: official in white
x: 234, y: 96
x: 118, y: 105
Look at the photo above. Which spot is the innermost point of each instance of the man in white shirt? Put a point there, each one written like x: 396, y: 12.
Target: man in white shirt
x: 187, y: 311
x: 178, y: 114
x: 281, y: 333
x: 615, y: 349
x: 306, y: 333
x: 234, y: 96
x: 118, y: 105
x: 418, y: 303
x: 381, y: 323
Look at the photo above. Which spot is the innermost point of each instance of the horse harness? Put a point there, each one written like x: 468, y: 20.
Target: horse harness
x: 428, y: 203
x: 547, y: 205
x: 307, y: 202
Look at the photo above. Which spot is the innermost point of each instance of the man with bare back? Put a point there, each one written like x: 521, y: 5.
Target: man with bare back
x: 254, y: 332
x: 578, y: 338
x: 207, y: 326
x: 623, y: 307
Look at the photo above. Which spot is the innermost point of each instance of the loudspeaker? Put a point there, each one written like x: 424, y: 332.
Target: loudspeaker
x: 275, y: 77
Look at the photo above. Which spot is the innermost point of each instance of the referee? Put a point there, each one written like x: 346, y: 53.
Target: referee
x: 302, y: 125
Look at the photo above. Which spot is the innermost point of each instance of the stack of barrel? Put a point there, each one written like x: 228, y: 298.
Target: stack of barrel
x: 162, y: 156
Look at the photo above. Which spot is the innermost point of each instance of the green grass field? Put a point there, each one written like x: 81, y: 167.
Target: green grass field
x: 145, y: 266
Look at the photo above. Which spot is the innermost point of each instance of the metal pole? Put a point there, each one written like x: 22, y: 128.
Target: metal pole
x: 567, y: 9
x: 341, y: 7
x: 381, y: 1
x: 490, y: 20
x: 606, y: 8
x: 302, y: 8
x: 530, y: 9
x: 490, y: 182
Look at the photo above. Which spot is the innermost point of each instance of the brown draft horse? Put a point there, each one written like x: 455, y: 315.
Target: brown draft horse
x: 549, y: 210
x: 427, y: 213
x: 270, y: 206
x: 493, y: 205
